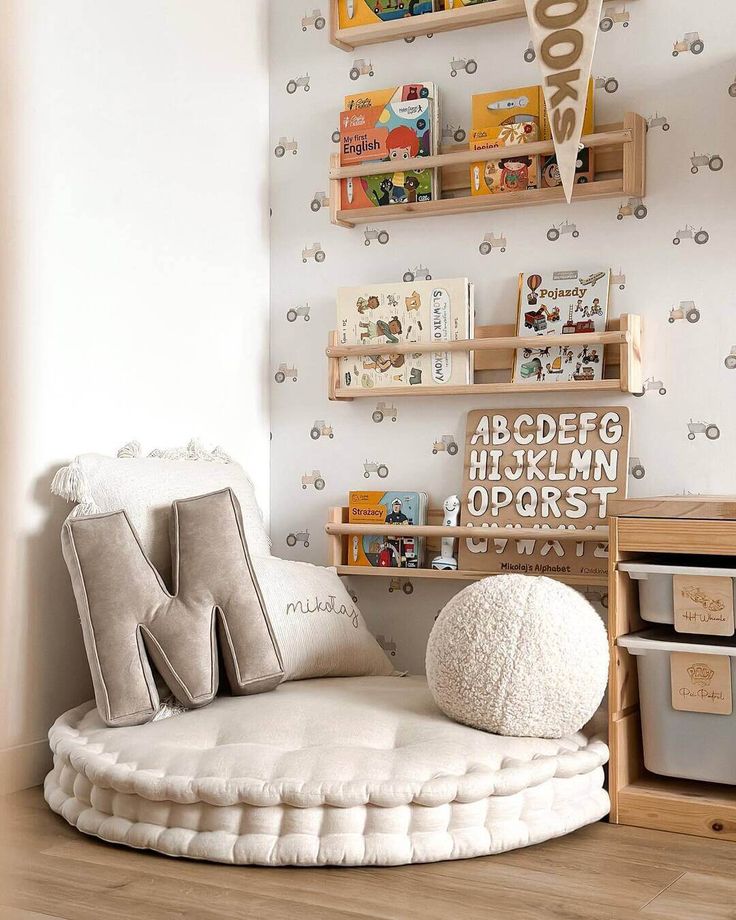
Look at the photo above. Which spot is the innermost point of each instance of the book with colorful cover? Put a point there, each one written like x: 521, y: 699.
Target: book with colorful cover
x: 573, y: 301
x: 515, y: 172
x: 506, y: 118
x: 390, y: 125
x: 352, y: 13
x: 416, y: 311
x: 494, y: 115
x: 389, y: 508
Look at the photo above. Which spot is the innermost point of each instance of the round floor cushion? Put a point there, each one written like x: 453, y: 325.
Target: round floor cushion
x: 519, y: 655
x: 330, y: 771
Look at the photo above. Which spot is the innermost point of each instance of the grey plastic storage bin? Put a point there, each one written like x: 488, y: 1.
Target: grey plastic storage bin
x: 656, y: 600
x: 689, y: 745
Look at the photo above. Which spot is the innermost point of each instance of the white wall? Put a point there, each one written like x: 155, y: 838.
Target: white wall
x: 135, y: 268
x: 692, y: 90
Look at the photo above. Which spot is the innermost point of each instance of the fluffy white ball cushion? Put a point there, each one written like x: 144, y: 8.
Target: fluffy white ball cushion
x: 518, y: 655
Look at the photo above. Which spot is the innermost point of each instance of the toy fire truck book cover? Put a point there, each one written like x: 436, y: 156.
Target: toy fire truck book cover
x: 561, y: 303
x: 353, y: 13
x: 389, y: 125
x: 388, y: 508
x: 415, y: 311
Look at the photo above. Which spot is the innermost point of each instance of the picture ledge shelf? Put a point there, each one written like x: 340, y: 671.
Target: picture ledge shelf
x: 338, y: 530
x: 409, y: 27
x: 494, y: 348
x: 620, y: 172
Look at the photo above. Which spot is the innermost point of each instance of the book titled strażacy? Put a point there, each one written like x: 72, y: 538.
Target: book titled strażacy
x: 377, y: 315
x: 389, y: 508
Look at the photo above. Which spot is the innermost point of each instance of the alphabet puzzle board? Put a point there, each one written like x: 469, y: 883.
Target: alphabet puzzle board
x: 545, y: 468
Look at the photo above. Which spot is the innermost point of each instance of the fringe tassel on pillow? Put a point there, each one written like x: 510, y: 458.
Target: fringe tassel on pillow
x: 131, y: 449
x: 71, y: 483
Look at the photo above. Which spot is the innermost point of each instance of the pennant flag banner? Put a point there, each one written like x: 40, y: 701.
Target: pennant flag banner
x: 564, y: 33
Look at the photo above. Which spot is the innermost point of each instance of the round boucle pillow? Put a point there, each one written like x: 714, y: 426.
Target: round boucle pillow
x: 518, y: 655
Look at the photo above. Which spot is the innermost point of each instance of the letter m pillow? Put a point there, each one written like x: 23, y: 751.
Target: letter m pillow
x: 130, y: 621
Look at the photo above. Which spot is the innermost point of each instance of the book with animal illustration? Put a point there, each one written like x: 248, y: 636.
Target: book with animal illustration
x: 390, y: 125
x: 377, y: 315
x: 390, y: 508
x: 573, y: 301
x: 352, y: 13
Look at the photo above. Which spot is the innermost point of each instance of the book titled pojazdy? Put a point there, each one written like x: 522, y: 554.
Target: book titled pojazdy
x: 376, y: 315
x: 563, y: 302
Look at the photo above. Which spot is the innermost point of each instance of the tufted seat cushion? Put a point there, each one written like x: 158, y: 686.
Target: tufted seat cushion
x: 335, y: 771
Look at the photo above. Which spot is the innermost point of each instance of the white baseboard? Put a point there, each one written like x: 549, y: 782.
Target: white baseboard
x: 24, y: 766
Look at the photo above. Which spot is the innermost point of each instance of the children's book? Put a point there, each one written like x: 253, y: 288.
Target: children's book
x: 506, y: 118
x: 561, y: 303
x: 417, y: 311
x: 388, y: 508
x: 353, y: 13
x: 515, y: 172
x: 393, y: 124
x: 585, y: 166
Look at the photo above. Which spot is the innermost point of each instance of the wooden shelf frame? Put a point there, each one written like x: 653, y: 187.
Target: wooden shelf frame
x: 339, y: 531
x: 494, y: 348
x: 640, y: 798
x: 620, y: 173
x: 464, y: 17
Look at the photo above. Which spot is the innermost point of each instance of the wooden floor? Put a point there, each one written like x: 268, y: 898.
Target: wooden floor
x: 599, y: 873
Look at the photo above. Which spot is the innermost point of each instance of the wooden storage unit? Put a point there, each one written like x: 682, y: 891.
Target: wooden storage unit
x: 678, y: 525
x: 339, y: 531
x: 620, y: 166
x: 464, y: 17
x: 494, y: 348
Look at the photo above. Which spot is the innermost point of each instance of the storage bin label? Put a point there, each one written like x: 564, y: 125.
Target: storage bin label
x: 703, y: 604
x: 701, y: 683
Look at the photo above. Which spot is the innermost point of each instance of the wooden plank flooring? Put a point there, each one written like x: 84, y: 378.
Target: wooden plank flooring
x: 602, y: 872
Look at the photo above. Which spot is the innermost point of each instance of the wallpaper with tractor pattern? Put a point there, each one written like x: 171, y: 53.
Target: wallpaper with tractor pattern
x: 674, y: 62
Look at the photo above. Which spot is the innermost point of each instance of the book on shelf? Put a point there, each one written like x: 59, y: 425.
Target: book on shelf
x: 406, y: 312
x: 515, y: 116
x: 563, y: 302
x: 390, y: 125
x: 389, y: 508
x: 353, y: 13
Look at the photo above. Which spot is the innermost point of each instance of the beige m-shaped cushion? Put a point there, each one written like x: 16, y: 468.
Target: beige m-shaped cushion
x: 129, y: 618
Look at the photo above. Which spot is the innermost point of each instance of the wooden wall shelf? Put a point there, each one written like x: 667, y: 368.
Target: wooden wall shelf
x: 640, y: 798
x: 494, y: 348
x: 427, y: 24
x: 339, y: 530
x: 620, y: 173
x: 464, y: 17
